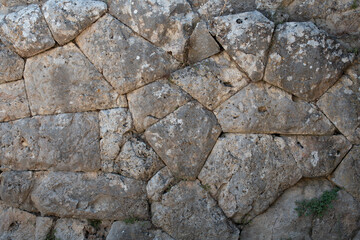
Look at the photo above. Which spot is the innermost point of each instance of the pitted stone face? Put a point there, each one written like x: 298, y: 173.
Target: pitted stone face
x: 179, y: 119
x: 166, y: 23
x: 26, y: 31
x: 304, y: 60
x: 67, y: 19
x: 246, y: 37
x: 184, y: 138
x: 126, y: 60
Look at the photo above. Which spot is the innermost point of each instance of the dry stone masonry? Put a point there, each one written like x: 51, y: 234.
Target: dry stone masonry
x: 178, y: 119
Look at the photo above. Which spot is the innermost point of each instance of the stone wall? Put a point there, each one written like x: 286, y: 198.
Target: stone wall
x: 175, y: 119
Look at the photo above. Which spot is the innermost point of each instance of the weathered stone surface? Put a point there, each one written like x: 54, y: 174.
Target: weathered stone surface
x: 97, y: 229
x: 115, y: 128
x: 184, y: 138
x: 159, y: 183
x: 154, y: 101
x: 281, y: 221
x: 214, y: 8
x: 126, y: 60
x: 64, y: 80
x: 304, y: 60
x: 15, y: 188
x: 26, y: 31
x: 261, y: 108
x: 166, y: 23
x: 70, y: 229
x: 137, y: 160
x: 188, y: 212
x: 67, y: 18
x: 43, y: 227
x: 246, y: 37
x: 337, y: 17
x: 269, y: 5
x: 8, y: 6
x: 16, y: 224
x: 138, y: 230
x: 91, y: 196
x: 65, y: 142
x: 318, y: 156
x: 246, y: 173
x: 342, y: 106
x: 13, y: 101
x: 341, y: 222
x: 211, y: 81
x: 347, y: 175
x: 357, y: 237
x: 11, y: 65
x: 201, y: 44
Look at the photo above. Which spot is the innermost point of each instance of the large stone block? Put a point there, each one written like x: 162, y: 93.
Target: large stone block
x: 154, y: 101
x: 262, y: 108
x: 211, y: 81
x: 184, y: 139
x: 26, y: 31
x: 246, y: 37
x: 65, y: 142
x: 67, y: 19
x: 166, y: 23
x: 126, y: 60
x: 246, y: 173
x: 304, y: 60
x: 64, y: 80
x: 91, y: 196
x: 187, y: 212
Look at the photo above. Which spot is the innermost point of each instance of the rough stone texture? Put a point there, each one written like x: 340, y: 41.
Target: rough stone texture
x: 261, y: 108
x: 138, y: 230
x: 211, y: 81
x: 214, y: 8
x: 347, y: 175
x: 126, y: 60
x: 341, y: 104
x: 137, y: 160
x: 26, y: 31
x: 184, y: 138
x: 65, y: 142
x: 67, y: 18
x: 11, y: 65
x: 166, y: 23
x: 246, y: 173
x: 16, y: 224
x: 188, y: 212
x: 281, y: 221
x: 70, y: 229
x: 64, y: 80
x: 77, y: 161
x: 13, y: 101
x: 335, y: 16
x: 15, y: 188
x: 159, y: 183
x: 43, y: 227
x: 246, y: 37
x: 8, y: 6
x: 91, y: 196
x: 154, y: 101
x: 318, y: 156
x: 201, y: 44
x: 115, y: 127
x: 304, y: 60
